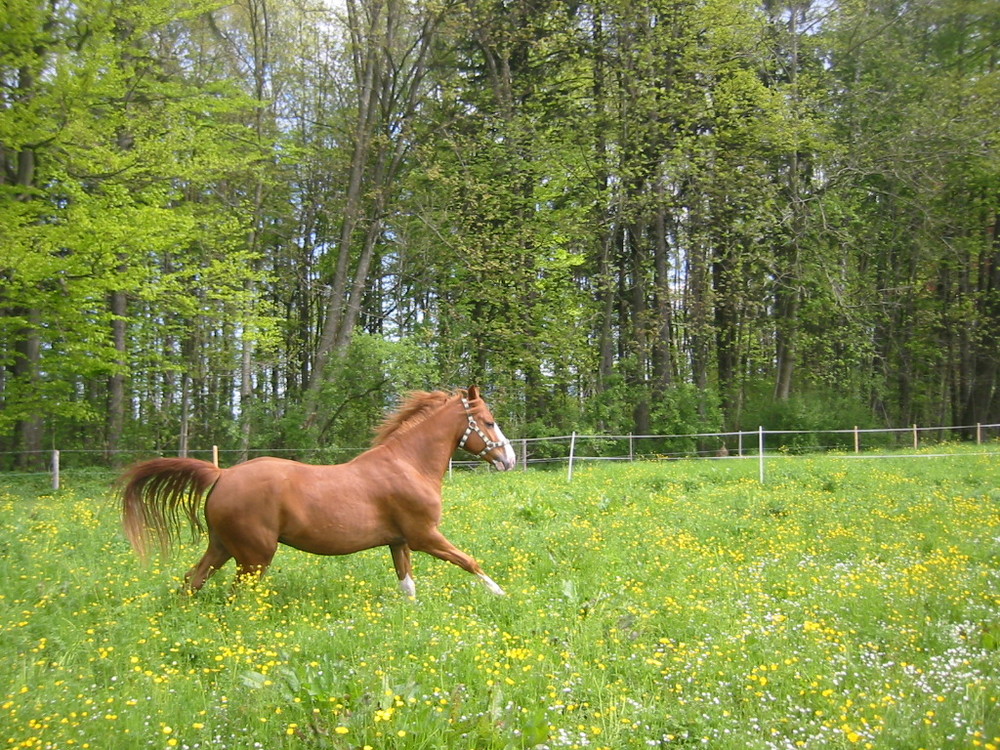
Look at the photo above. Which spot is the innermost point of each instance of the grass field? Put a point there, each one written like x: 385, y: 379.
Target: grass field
x: 846, y: 604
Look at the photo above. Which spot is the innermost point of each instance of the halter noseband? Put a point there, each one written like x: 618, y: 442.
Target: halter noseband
x: 474, y: 427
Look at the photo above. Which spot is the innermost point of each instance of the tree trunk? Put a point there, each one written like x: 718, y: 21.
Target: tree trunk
x: 27, y: 346
x: 983, y: 404
x: 184, y: 430
x: 785, y: 324
x: 119, y: 307
x: 388, y: 96
x: 365, y: 121
x: 787, y: 294
x: 604, y: 278
x: 727, y: 326
x: 639, y: 315
x: 663, y: 359
x: 116, y: 382
x: 606, y: 287
x: 699, y: 301
x: 26, y: 365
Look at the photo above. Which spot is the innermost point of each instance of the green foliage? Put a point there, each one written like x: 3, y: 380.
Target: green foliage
x: 817, y: 412
x: 120, y: 203
x: 680, y: 410
x: 359, y: 389
x: 617, y: 217
x: 686, y: 409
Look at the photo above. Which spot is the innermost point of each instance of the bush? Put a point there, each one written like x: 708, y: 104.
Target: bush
x: 813, y: 417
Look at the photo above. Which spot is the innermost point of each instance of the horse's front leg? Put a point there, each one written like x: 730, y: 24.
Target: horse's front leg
x: 435, y: 543
x: 404, y: 569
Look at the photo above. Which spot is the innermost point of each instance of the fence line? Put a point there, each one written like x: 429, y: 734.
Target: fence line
x: 572, y: 458
x: 540, y: 451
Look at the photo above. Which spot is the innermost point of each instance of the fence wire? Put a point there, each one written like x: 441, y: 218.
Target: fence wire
x: 573, y: 449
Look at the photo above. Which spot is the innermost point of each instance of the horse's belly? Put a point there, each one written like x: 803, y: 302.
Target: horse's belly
x: 333, y: 536
x: 333, y: 546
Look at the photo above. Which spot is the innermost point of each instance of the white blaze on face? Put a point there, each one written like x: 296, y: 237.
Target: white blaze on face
x: 509, y: 459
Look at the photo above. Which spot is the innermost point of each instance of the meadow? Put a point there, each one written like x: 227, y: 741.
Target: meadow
x: 844, y: 604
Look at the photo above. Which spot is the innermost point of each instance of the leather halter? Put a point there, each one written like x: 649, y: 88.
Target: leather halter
x: 474, y: 427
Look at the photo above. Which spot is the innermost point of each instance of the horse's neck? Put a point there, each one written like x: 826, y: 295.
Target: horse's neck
x: 430, y: 445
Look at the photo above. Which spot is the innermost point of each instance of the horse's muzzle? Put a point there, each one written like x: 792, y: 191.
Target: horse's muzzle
x: 508, y: 460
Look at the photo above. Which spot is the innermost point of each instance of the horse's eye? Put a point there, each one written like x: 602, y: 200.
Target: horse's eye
x: 491, y: 425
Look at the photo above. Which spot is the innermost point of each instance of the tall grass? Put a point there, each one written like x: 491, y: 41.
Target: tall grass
x: 844, y: 604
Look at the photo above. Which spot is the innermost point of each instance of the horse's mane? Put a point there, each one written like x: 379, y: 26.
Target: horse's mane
x: 414, y: 409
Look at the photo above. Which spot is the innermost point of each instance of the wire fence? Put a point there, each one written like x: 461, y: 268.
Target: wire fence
x: 761, y: 444
x: 568, y: 451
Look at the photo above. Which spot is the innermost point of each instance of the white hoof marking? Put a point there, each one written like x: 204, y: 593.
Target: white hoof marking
x: 407, y: 586
x: 492, y: 585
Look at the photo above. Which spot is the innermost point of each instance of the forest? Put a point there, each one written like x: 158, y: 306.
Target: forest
x: 256, y: 223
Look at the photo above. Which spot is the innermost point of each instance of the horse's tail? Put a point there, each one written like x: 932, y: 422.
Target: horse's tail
x: 156, y: 495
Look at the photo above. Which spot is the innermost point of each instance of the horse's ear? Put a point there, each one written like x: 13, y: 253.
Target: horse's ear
x: 473, y: 392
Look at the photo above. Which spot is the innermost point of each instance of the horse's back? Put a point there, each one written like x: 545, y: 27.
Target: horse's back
x: 269, y: 483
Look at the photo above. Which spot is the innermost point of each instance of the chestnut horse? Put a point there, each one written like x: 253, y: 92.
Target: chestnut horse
x: 390, y: 495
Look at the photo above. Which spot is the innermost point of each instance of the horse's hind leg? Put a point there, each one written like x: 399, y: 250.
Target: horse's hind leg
x: 253, y: 560
x: 404, y: 569
x: 214, y: 558
x: 434, y: 543
x: 250, y: 573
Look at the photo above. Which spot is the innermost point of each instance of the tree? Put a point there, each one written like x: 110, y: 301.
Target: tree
x: 220, y: 223
x: 923, y: 189
x: 104, y: 222
x: 389, y: 51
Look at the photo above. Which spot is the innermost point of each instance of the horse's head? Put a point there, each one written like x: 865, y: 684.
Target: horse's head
x: 483, y: 437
